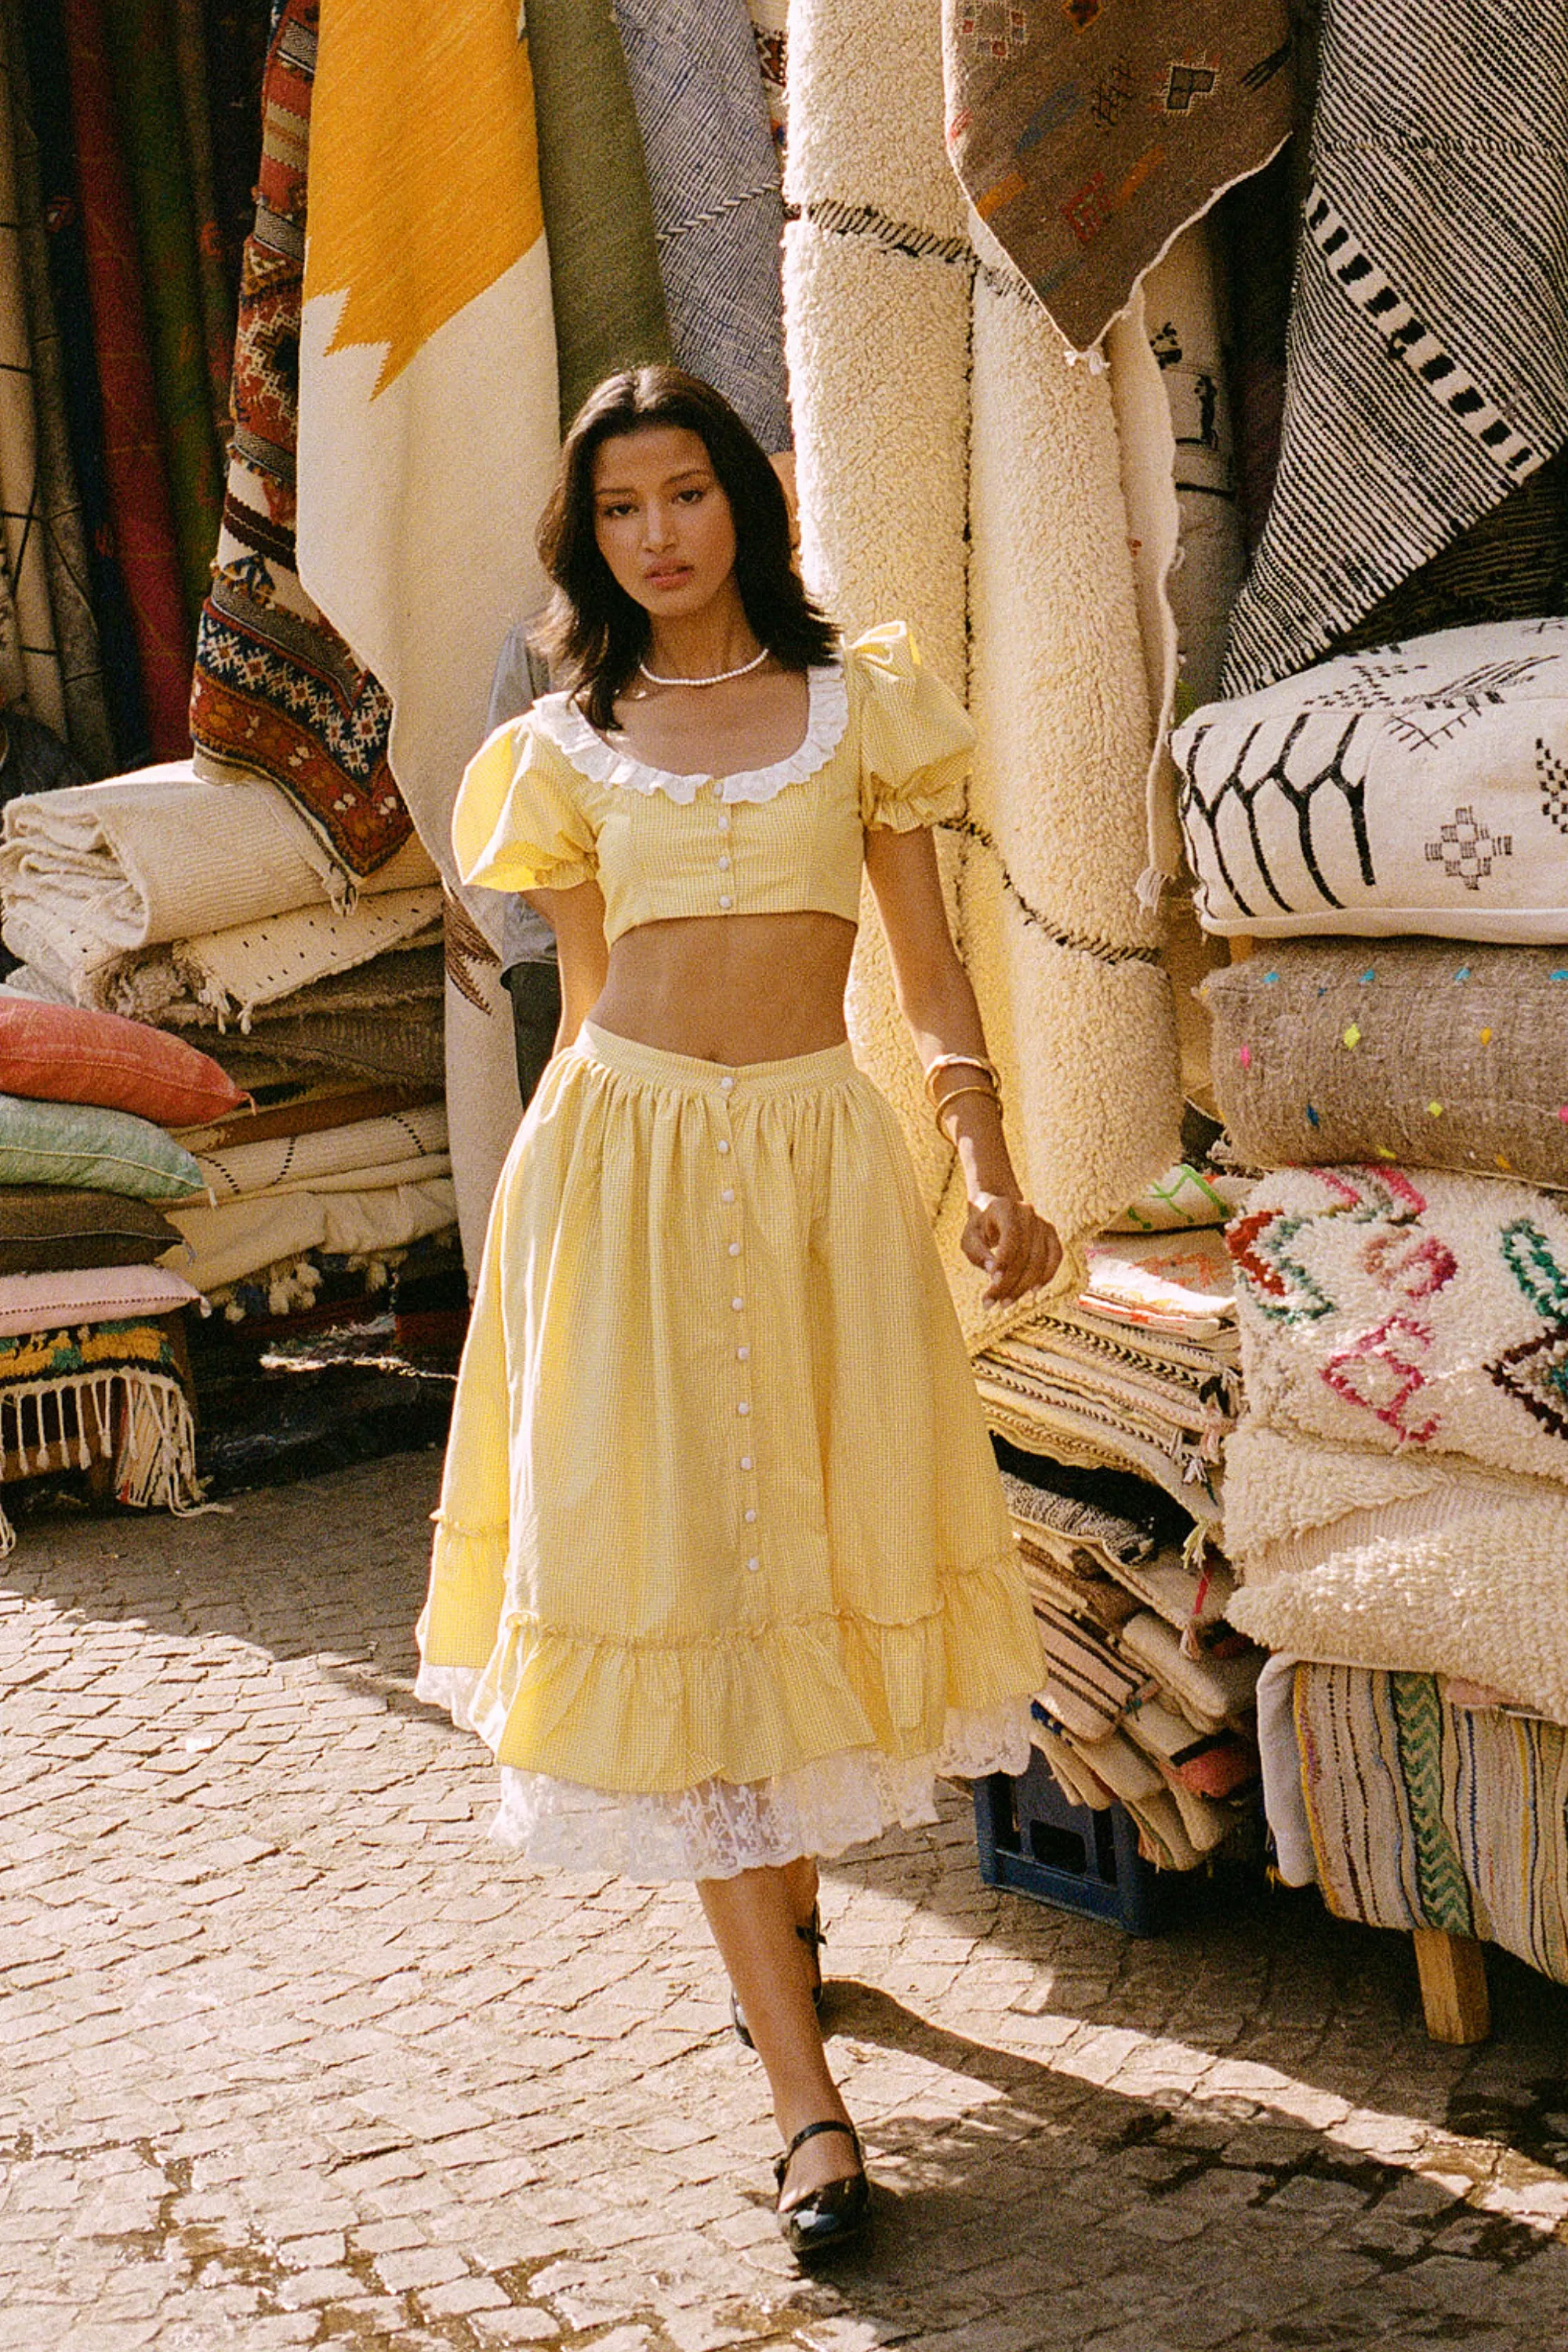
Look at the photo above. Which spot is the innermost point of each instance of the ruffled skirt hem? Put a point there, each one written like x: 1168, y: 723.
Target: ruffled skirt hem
x: 720, y: 1827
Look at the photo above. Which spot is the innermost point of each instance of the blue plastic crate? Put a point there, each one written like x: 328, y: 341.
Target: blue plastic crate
x: 1034, y: 1839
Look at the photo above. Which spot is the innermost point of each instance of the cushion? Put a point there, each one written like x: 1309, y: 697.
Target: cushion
x: 62, y: 1052
x: 46, y: 1229
x: 102, y: 1150
x: 1416, y: 787
x: 1182, y: 1197
x: 114, y: 1294
x: 1406, y: 1051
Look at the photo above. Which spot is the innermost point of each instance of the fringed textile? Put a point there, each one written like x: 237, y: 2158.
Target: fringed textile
x: 67, y: 1388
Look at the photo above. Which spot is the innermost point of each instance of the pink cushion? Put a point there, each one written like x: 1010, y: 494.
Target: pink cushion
x: 62, y: 1052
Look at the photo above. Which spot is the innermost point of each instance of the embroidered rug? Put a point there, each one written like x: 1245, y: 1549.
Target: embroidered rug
x: 1418, y: 787
x: 1088, y: 134
x: 1408, y: 1311
x: 605, y: 286
x: 1406, y: 1051
x: 1427, y: 369
x: 713, y: 172
x: 277, y: 692
x: 1426, y: 1813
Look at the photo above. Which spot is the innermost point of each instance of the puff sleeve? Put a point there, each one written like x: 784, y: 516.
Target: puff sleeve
x: 518, y: 823
x: 916, y: 741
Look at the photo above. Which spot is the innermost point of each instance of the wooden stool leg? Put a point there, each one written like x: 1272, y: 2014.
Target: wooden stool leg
x: 1453, y: 1973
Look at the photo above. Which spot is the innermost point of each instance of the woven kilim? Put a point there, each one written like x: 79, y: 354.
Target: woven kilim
x: 276, y: 693
x: 1428, y: 359
x: 1428, y: 1814
x: 1087, y: 134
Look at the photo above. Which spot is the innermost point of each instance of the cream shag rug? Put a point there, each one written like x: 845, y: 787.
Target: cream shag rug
x: 1433, y: 1565
x: 897, y: 474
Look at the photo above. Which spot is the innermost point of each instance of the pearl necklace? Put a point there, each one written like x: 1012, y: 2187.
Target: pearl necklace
x: 721, y: 677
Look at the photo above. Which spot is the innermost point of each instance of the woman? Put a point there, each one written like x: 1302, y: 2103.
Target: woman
x: 722, y: 1573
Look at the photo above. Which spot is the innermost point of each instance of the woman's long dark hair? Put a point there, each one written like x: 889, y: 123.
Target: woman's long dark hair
x: 593, y: 634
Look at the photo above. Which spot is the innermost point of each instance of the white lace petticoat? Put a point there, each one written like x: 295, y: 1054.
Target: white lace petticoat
x: 720, y: 1828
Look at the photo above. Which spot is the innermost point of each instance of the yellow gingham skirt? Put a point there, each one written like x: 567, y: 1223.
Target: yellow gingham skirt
x: 721, y: 1535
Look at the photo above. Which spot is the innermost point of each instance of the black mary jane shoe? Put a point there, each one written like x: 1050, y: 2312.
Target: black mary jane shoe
x: 812, y: 1936
x: 830, y: 2217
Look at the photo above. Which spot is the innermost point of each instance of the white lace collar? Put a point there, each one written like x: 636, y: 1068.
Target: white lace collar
x: 826, y: 716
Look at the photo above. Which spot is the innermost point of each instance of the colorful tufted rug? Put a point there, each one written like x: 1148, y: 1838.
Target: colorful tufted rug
x: 100, y: 1389
x: 1407, y: 1312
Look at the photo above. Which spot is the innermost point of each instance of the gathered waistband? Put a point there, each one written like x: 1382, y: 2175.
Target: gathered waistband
x: 652, y: 1066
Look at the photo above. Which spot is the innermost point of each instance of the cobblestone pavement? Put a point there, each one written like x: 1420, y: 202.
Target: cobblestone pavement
x: 292, y: 2057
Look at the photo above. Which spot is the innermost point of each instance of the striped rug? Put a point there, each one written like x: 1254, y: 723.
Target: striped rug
x: 1428, y: 358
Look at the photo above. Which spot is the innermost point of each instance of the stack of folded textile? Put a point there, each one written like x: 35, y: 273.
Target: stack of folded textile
x: 1392, y: 829
x: 1148, y: 1698
x: 1138, y: 1374
x: 215, y: 910
x: 93, y: 1361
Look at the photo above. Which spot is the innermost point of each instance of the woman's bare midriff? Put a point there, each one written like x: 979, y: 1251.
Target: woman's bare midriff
x: 734, y: 987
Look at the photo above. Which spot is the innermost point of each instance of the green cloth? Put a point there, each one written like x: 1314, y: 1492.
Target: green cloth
x: 140, y: 40
x: 598, y: 218
x: 212, y: 275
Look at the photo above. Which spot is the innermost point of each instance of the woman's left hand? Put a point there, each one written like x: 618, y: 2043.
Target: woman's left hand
x: 1011, y: 1242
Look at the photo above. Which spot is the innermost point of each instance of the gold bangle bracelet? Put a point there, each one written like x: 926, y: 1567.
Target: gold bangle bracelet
x: 961, y: 1062
x: 992, y: 1093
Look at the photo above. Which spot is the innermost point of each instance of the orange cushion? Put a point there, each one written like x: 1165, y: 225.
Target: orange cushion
x: 63, y: 1053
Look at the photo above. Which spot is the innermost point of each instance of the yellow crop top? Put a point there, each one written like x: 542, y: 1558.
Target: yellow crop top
x: 548, y: 802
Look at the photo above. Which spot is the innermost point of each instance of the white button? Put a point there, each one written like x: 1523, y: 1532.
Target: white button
x: 723, y: 1143
x: 728, y: 1194
x: 724, y: 821
x: 724, y: 866
x: 750, y: 1516
x: 745, y: 1461
x: 737, y: 1304
x: 725, y: 899
x: 734, y: 1249
x: 725, y: 1085
x: 743, y: 1355
x: 753, y: 1564
x: 742, y: 1408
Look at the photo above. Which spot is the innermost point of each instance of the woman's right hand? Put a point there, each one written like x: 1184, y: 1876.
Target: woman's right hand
x: 1010, y: 1242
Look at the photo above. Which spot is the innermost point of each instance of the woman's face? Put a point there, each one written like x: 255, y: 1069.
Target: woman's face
x: 662, y: 519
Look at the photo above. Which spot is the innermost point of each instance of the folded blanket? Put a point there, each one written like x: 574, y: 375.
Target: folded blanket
x: 1421, y: 1563
x: 101, y: 870
x: 1183, y: 1284
x: 1421, y: 1313
x: 1450, y: 1057
x: 225, y: 1243
x: 232, y: 971
x: 1087, y: 1391
x: 331, y: 1158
